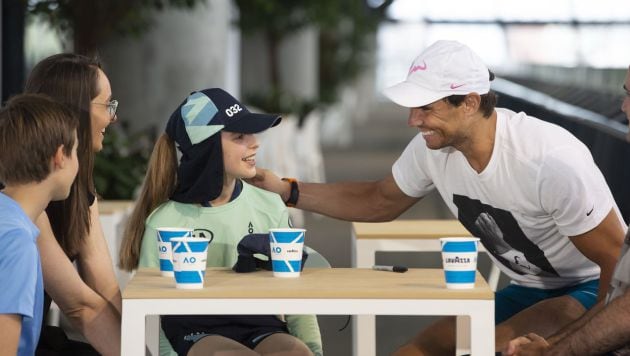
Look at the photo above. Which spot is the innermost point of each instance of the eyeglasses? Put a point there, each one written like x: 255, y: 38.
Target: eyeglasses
x: 112, y: 106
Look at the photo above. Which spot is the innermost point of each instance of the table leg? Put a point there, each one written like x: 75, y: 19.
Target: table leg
x: 132, y: 326
x: 462, y: 334
x: 152, y: 323
x: 363, y: 326
x: 364, y: 335
x: 482, y: 329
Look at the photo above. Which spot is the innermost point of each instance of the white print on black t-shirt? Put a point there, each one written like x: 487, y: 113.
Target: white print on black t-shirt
x: 502, y: 237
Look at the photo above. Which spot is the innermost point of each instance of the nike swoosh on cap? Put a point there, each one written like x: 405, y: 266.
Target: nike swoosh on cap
x: 455, y: 86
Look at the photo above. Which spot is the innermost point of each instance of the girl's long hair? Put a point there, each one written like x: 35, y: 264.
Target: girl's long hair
x: 159, y: 184
x: 71, y: 79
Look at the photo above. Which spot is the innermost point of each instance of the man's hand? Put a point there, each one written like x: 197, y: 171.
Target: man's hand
x: 526, y: 345
x: 267, y: 180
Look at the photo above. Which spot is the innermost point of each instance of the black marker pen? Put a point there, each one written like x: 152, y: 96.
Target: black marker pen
x: 399, y: 269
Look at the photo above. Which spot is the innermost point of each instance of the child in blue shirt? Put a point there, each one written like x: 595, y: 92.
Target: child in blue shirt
x: 38, y: 163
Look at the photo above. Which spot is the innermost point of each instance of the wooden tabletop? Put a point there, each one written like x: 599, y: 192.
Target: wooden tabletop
x: 410, y: 229
x: 324, y: 283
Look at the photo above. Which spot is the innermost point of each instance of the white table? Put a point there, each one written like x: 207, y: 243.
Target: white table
x: 332, y: 291
x: 402, y: 236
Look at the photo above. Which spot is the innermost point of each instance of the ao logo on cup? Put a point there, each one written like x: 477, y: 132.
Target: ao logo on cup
x: 459, y: 259
x: 286, y: 247
x: 164, y: 236
x: 189, y: 261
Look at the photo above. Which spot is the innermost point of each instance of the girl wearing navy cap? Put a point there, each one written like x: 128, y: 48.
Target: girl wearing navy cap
x: 214, y: 133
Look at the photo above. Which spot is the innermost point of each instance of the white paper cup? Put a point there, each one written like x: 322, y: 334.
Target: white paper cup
x: 459, y: 259
x: 286, y: 247
x: 164, y: 236
x: 189, y: 261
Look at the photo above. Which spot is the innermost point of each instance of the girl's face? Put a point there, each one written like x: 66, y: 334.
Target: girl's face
x: 100, y: 111
x: 239, y: 154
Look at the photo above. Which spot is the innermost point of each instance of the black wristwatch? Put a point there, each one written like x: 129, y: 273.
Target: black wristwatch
x: 295, y: 192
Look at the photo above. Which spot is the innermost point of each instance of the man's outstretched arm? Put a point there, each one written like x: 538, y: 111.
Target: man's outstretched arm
x: 354, y: 201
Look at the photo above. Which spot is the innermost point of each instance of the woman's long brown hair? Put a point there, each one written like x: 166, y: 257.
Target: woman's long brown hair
x: 159, y: 185
x: 71, y: 79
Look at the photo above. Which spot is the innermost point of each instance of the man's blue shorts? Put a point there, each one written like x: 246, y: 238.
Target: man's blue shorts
x: 512, y: 299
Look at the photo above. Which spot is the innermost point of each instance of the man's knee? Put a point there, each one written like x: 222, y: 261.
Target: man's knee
x: 560, y: 310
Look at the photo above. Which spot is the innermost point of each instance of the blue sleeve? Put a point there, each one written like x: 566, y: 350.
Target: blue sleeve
x: 18, y: 276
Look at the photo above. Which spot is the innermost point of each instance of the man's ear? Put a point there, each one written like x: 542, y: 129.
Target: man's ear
x: 472, y: 102
x: 59, y: 159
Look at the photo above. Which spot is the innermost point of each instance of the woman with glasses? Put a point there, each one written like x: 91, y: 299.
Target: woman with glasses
x: 70, y: 230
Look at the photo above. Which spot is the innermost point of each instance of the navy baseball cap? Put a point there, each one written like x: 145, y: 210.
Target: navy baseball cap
x: 208, y: 111
x: 193, y: 127
x: 252, y: 245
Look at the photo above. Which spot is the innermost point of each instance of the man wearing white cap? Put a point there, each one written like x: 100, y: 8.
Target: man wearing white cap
x: 528, y: 189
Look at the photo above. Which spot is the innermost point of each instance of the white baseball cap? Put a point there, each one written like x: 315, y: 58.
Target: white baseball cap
x: 445, y: 68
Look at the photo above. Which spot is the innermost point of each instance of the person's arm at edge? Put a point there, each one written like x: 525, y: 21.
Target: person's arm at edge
x: 10, y: 335
x: 602, y: 245
x: 519, y: 342
x: 572, y: 327
x: 605, y: 331
x: 353, y: 201
x: 588, y: 244
x: 94, y: 316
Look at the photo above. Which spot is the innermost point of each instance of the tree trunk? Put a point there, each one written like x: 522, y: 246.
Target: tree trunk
x: 12, y: 76
x: 86, y: 25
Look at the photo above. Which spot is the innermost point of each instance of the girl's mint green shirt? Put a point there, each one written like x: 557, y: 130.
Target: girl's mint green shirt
x: 253, y: 211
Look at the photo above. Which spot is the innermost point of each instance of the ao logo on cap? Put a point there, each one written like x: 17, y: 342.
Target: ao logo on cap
x: 233, y: 110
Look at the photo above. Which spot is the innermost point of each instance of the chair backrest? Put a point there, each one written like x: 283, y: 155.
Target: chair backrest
x: 315, y: 259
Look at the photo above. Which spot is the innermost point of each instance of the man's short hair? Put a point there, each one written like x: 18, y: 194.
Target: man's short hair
x: 486, y: 105
x: 32, y: 127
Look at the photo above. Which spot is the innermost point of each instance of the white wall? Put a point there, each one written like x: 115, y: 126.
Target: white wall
x: 298, y: 64
x: 183, y: 51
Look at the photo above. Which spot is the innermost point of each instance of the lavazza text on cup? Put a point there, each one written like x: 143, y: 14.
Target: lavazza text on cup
x: 286, y: 246
x: 459, y: 259
x: 189, y: 261
x: 164, y: 236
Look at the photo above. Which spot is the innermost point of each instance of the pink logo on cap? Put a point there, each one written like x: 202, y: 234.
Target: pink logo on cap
x: 414, y: 69
x: 455, y: 86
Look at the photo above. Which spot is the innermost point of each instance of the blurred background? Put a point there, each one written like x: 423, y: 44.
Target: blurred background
x: 322, y: 64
